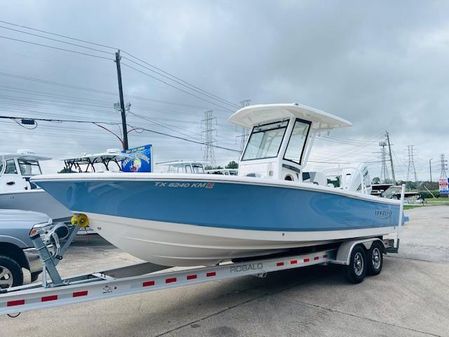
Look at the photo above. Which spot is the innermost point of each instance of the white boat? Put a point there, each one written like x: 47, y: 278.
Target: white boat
x: 273, y: 205
x: 111, y: 160
x: 181, y: 166
x: 18, y: 192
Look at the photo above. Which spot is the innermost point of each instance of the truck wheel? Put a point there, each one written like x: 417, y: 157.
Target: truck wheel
x: 11, y: 274
x: 375, y: 259
x: 356, y: 271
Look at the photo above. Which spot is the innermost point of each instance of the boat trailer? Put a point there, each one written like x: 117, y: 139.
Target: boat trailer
x: 55, y: 291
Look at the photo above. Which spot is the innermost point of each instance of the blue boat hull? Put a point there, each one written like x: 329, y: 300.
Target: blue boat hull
x: 223, y: 204
x: 204, y: 221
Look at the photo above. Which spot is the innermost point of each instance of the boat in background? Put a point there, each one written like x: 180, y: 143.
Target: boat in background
x: 111, y: 160
x: 181, y: 166
x: 18, y: 192
x: 225, y: 172
x: 272, y: 206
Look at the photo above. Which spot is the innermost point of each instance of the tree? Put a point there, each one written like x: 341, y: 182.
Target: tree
x: 232, y: 165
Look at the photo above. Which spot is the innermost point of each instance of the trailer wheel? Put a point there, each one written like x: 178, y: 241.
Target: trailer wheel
x: 35, y: 276
x: 375, y: 259
x: 11, y: 274
x: 356, y: 270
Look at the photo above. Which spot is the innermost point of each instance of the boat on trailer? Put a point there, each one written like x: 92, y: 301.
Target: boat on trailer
x: 196, y: 219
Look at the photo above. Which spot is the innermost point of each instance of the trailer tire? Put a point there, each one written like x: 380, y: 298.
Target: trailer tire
x: 10, y: 269
x: 375, y: 259
x: 356, y: 270
x: 35, y: 276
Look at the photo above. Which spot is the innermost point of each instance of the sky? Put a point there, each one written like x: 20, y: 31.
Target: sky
x: 382, y: 65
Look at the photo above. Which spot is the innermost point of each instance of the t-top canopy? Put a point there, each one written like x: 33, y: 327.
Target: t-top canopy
x: 262, y: 113
x: 23, y: 154
x: 98, y: 157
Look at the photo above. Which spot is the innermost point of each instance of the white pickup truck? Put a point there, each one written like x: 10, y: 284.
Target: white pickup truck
x: 16, y: 248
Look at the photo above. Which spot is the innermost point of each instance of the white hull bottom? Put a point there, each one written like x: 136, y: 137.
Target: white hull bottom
x: 172, y: 244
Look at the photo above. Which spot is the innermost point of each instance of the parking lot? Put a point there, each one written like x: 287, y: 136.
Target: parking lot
x: 409, y: 298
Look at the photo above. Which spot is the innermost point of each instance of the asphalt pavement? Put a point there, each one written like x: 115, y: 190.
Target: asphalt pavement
x: 409, y: 298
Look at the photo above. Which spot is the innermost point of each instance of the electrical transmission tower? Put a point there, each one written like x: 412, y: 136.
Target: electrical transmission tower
x: 209, y: 122
x: 411, y: 163
x: 443, y: 174
x: 384, y: 170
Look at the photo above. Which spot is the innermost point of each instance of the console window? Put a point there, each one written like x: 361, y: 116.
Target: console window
x: 10, y: 167
x: 297, y: 141
x: 265, y: 141
x: 29, y: 167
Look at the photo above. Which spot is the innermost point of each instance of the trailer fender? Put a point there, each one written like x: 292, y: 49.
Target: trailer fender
x: 345, y: 249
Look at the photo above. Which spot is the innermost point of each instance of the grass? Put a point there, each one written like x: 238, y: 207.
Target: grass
x: 430, y: 202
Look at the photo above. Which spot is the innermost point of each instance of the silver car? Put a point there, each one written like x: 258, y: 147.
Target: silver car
x: 16, y: 249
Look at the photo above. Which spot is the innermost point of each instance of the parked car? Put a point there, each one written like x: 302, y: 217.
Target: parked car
x: 16, y: 249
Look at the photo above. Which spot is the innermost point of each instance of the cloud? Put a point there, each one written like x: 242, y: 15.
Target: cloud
x: 381, y: 65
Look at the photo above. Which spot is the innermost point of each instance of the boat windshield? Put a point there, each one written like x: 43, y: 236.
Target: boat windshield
x: 265, y: 141
x: 29, y: 167
x: 197, y: 168
x: 297, y: 140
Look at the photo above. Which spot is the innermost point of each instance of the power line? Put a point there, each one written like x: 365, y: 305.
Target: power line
x: 175, y: 87
x: 160, y: 124
x: 147, y: 65
x: 56, y: 40
x: 57, y: 120
x: 56, y: 48
x: 189, y: 140
x: 60, y: 35
x: 179, y: 81
x: 87, y: 89
x: 53, y: 101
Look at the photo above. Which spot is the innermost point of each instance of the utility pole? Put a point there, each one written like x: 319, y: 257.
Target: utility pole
x: 391, y: 157
x: 122, y: 101
x: 430, y: 169
x: 411, y: 170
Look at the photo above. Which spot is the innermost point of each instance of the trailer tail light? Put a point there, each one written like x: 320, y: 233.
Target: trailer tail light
x: 15, y: 303
x: 49, y: 298
x: 148, y: 283
x: 80, y: 293
x: 211, y: 274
